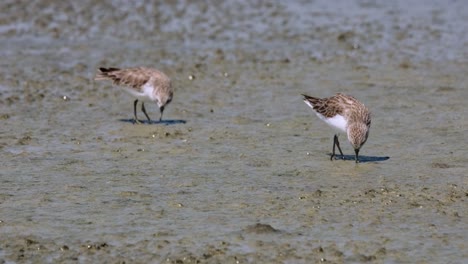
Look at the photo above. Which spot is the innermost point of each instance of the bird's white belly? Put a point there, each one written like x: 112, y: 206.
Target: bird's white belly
x: 338, y: 121
x: 144, y: 94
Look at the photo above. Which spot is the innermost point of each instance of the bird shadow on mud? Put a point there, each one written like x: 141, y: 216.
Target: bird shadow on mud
x: 362, y: 158
x: 154, y: 122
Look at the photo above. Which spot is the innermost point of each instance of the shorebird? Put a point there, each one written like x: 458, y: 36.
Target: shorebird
x: 346, y: 114
x: 145, y: 84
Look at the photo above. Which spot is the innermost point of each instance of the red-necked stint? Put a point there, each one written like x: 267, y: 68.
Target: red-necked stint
x: 145, y: 84
x: 345, y: 113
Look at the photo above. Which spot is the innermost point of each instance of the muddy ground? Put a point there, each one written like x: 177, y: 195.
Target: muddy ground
x: 240, y: 172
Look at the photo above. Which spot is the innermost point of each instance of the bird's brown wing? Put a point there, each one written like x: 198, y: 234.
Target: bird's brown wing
x: 131, y: 77
x: 327, y: 107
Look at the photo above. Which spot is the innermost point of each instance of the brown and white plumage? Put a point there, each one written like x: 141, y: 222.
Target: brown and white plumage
x: 145, y: 84
x: 345, y: 113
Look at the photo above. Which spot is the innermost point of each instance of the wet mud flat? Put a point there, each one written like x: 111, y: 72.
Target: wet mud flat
x: 240, y: 172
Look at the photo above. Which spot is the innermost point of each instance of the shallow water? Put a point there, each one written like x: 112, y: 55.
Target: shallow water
x: 241, y: 170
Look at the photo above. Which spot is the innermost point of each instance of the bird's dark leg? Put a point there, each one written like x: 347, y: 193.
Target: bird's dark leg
x: 161, y: 109
x: 135, y: 118
x: 337, y: 143
x: 144, y: 112
x: 357, y: 155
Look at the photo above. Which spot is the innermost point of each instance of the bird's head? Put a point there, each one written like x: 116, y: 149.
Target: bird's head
x: 357, y: 135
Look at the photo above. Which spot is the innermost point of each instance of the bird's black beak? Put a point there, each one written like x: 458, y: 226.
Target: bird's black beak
x: 161, y: 109
x: 357, y: 155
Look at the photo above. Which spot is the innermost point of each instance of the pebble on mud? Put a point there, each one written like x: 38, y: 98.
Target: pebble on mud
x: 261, y: 229
x: 24, y: 140
x: 440, y: 165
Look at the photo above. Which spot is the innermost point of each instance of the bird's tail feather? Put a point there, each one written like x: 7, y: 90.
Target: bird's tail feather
x: 103, y: 73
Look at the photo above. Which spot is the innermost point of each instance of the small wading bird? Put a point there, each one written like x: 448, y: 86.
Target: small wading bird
x: 145, y: 84
x: 345, y: 113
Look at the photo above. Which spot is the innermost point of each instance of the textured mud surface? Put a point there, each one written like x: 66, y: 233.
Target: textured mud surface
x: 241, y: 172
